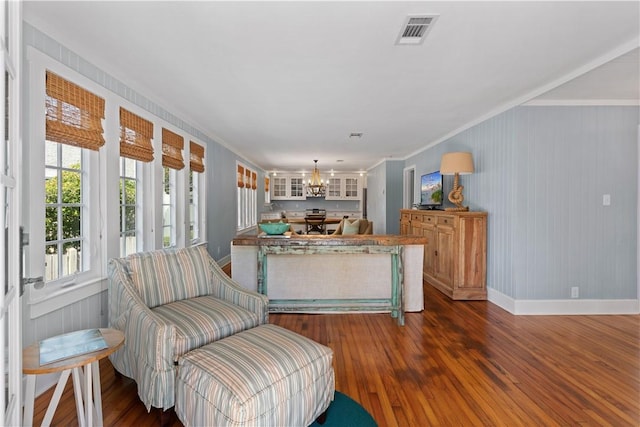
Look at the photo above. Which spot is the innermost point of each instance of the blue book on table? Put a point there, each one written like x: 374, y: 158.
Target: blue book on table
x: 70, y: 345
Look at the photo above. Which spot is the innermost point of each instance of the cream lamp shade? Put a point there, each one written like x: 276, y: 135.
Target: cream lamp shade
x: 456, y: 164
x: 459, y: 162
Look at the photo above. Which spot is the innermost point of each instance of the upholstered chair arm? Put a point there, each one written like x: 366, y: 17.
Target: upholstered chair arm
x: 148, y: 340
x: 225, y: 288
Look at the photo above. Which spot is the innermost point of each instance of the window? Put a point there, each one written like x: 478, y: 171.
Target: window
x: 130, y: 213
x: 73, y: 222
x: 194, y: 214
x: 267, y: 194
x: 172, y: 145
x: 135, y: 150
x: 196, y: 168
x: 65, y: 210
x: 73, y: 128
x: 168, y: 207
x: 247, y: 197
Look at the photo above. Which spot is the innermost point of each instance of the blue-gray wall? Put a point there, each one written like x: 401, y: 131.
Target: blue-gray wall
x: 541, y: 173
x: 384, y: 196
x: 394, y: 184
x: 222, y: 198
x: 377, y: 197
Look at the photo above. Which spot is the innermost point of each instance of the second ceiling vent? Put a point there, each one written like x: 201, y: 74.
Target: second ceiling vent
x: 415, y: 29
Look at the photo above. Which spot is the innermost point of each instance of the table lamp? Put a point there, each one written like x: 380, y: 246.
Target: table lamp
x: 456, y: 164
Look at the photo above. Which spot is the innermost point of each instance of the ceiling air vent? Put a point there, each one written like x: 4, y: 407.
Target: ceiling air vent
x: 415, y: 29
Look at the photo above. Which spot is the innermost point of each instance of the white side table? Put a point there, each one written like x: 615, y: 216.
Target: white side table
x: 87, y: 382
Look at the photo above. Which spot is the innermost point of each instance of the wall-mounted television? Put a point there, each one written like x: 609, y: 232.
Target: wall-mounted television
x: 431, y: 190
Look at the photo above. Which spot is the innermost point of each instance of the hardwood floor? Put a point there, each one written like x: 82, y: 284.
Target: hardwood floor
x: 455, y: 364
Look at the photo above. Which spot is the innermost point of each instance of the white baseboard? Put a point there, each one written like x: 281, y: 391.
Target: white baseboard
x: 565, y: 306
x: 224, y: 261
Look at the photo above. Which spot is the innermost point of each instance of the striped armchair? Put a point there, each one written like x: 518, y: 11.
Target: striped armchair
x: 167, y: 303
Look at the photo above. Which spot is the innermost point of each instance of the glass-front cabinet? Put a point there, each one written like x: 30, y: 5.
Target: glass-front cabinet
x: 334, y: 188
x: 344, y: 187
x: 287, y: 187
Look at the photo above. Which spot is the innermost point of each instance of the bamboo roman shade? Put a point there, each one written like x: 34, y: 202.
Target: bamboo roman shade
x: 254, y: 180
x: 247, y: 178
x: 172, y: 145
x: 196, y: 162
x: 135, y: 137
x: 74, y: 115
x: 240, y: 176
x: 266, y: 184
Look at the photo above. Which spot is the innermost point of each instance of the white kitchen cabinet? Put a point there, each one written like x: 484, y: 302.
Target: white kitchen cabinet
x: 344, y: 187
x: 287, y: 187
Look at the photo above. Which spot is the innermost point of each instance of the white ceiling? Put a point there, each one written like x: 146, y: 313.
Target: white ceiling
x: 283, y: 83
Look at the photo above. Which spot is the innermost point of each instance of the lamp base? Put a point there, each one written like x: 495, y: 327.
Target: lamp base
x: 458, y: 209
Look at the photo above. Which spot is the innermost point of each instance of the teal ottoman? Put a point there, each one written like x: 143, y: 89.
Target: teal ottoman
x: 265, y: 376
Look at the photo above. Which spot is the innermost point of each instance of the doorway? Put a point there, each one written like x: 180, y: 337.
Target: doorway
x: 409, y: 184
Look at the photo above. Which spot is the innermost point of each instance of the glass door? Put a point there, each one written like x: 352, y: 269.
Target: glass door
x: 10, y: 274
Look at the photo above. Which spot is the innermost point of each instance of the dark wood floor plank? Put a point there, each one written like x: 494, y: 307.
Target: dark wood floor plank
x: 457, y: 363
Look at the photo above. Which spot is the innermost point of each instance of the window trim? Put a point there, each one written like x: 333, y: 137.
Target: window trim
x: 103, y: 186
x: 139, y: 219
x: 69, y: 289
x: 173, y: 208
x: 246, y: 198
x: 86, y: 202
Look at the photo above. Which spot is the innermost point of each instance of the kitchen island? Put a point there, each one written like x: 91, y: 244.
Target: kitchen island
x: 320, y: 273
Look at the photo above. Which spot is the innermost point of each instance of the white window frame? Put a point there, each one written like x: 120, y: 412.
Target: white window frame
x: 247, y: 202
x: 201, y: 205
x: 85, y: 202
x: 67, y: 289
x: 172, y: 205
x: 194, y: 203
x: 147, y: 209
x: 267, y: 190
x: 103, y: 189
x: 139, y: 226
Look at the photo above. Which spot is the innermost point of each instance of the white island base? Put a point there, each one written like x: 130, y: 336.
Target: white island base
x: 322, y: 282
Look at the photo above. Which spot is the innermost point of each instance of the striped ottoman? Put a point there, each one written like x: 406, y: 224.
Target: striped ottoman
x: 264, y: 376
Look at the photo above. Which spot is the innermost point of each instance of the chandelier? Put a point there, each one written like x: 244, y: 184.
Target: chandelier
x: 315, y: 186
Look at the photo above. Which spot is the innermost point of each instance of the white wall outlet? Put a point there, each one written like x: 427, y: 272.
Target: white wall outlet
x: 606, y: 200
x: 575, y: 292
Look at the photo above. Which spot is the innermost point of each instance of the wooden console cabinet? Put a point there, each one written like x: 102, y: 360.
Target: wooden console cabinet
x: 455, y: 256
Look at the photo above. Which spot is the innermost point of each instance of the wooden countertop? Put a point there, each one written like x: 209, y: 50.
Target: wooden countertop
x: 328, y: 240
